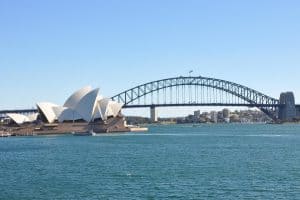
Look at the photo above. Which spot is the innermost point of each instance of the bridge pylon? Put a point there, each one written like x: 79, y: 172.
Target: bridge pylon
x: 153, y: 114
x: 287, y: 112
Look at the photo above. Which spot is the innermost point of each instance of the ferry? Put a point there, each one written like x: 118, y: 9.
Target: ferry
x: 3, y: 134
x: 90, y: 133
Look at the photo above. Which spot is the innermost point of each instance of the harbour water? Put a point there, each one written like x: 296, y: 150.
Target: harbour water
x: 223, y: 161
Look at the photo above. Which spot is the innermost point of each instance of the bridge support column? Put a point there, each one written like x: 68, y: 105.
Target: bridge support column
x: 298, y: 112
x: 153, y: 114
x: 288, y: 111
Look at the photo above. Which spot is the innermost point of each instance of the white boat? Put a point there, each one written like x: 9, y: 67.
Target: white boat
x: 3, y: 134
x: 90, y: 133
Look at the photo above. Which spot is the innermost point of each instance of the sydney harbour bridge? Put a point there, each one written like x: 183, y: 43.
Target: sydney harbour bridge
x: 202, y: 91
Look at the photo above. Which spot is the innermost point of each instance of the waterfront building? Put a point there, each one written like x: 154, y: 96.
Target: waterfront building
x: 235, y: 118
x: 214, y: 116
x: 84, y: 105
x: 197, y: 114
x: 226, y: 113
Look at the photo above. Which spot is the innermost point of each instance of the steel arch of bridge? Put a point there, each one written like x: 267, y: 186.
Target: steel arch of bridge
x: 250, y: 97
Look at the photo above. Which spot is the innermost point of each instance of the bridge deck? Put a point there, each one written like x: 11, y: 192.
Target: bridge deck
x: 19, y: 111
x: 203, y: 104
x: 3, y: 112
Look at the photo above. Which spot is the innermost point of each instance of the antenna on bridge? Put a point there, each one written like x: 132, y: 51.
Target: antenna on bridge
x: 190, y: 72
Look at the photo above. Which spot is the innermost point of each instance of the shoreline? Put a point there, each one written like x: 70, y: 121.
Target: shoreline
x: 112, y: 125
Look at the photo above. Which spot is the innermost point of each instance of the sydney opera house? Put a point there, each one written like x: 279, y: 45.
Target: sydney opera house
x: 84, y: 111
x: 84, y: 105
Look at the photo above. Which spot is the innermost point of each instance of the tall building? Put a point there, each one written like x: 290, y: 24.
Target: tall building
x: 226, y: 113
x: 197, y: 114
x: 214, y: 116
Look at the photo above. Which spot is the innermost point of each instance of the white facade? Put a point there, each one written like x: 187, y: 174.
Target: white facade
x: 75, y: 98
x: 69, y: 115
x: 85, y: 104
x: 20, y: 119
x: 32, y: 117
x: 48, y: 109
x: 109, y: 108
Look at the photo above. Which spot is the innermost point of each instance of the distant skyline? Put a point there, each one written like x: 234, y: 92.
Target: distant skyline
x: 48, y: 49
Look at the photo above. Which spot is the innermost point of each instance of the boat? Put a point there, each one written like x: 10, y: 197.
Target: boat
x: 81, y: 134
x: 3, y: 134
x: 90, y: 133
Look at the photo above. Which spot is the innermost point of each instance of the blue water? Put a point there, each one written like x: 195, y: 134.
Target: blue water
x: 169, y: 162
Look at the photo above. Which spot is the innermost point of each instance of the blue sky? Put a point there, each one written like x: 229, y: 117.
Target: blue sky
x: 48, y: 49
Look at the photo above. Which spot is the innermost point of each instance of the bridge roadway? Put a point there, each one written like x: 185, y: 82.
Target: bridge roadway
x: 18, y: 111
x: 2, y: 112
x: 203, y: 104
x: 24, y: 111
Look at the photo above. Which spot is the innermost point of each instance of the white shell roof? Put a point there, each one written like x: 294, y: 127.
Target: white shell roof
x: 109, y: 108
x: 115, y: 108
x: 69, y: 115
x: 86, y: 106
x: 58, y: 110
x: 20, y: 119
x: 32, y: 117
x: 74, y: 99
x: 47, y: 109
x: 97, y: 112
x: 103, y: 104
